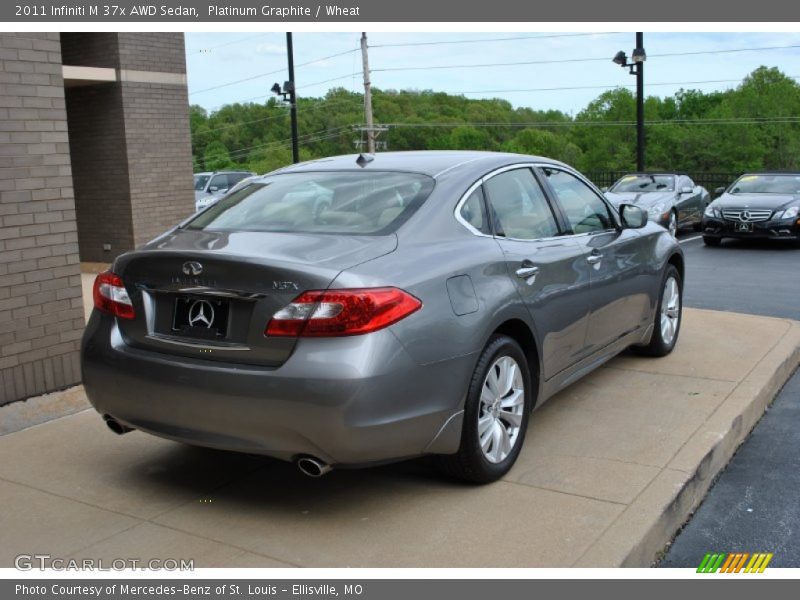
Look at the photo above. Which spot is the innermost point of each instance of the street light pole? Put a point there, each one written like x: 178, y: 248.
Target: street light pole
x: 636, y: 67
x: 293, y: 98
x: 639, y: 104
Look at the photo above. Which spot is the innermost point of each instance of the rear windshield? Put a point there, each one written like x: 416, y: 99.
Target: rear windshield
x: 645, y: 183
x: 358, y: 203
x: 767, y: 184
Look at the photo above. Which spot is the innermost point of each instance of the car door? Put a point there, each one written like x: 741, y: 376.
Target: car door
x: 619, y: 299
x: 689, y: 202
x: 549, y: 269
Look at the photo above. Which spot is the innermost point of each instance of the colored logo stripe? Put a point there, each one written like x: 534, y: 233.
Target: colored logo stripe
x: 733, y: 562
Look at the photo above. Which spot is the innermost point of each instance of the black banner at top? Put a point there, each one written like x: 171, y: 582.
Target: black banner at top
x: 356, y: 11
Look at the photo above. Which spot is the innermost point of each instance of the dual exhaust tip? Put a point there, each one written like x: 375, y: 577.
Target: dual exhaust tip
x: 308, y: 465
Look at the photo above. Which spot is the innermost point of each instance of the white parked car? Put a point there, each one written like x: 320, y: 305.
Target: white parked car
x: 210, y: 186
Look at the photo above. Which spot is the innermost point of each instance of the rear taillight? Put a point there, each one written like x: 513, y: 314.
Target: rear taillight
x: 110, y: 296
x: 342, y: 312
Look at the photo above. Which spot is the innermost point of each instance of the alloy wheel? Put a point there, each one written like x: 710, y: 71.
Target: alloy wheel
x: 673, y: 224
x: 501, y: 409
x: 670, y: 310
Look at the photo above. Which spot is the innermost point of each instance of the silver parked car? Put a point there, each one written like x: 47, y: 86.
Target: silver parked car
x: 210, y: 186
x: 672, y: 200
x: 357, y: 310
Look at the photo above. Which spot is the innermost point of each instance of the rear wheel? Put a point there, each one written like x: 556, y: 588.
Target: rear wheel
x: 667, y: 322
x: 711, y: 241
x: 495, y: 414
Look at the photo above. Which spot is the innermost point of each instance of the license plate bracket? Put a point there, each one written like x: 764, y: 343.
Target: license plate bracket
x: 744, y: 227
x: 203, y: 317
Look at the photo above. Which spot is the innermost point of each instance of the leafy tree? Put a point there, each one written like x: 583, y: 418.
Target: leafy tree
x: 753, y: 126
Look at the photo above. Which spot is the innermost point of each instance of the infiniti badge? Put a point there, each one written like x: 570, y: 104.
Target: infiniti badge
x: 201, y: 314
x: 192, y: 268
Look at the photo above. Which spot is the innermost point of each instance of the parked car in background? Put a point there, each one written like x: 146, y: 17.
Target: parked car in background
x: 212, y: 185
x: 672, y: 200
x: 357, y: 310
x: 757, y: 205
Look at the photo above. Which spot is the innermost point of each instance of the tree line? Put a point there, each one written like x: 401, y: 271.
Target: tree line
x: 753, y: 126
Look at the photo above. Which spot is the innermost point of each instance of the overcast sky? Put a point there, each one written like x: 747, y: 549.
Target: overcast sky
x: 217, y: 59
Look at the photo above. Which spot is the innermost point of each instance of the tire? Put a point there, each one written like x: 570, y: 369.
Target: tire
x: 473, y: 462
x: 711, y: 241
x: 664, y: 337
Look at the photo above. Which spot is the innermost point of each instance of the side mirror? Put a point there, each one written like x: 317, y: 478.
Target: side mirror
x: 604, y: 189
x: 719, y: 191
x: 633, y: 217
x: 687, y: 189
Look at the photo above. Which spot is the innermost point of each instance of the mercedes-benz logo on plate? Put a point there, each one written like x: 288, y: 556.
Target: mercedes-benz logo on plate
x: 201, y: 314
x: 192, y: 268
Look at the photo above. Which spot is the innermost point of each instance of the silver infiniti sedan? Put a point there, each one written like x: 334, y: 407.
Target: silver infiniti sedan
x: 357, y: 310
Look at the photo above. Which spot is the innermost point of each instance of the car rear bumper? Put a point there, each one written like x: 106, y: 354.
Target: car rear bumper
x: 777, y: 230
x: 346, y: 401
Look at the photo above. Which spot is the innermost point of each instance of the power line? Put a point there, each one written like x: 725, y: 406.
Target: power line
x: 318, y: 106
x: 302, y: 138
x: 566, y: 123
x: 577, y: 60
x: 260, y: 75
x: 599, y: 87
x: 239, y: 41
x: 500, y: 39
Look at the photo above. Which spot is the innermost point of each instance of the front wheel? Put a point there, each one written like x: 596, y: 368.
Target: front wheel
x: 496, y: 412
x: 672, y: 226
x: 711, y: 241
x: 667, y: 322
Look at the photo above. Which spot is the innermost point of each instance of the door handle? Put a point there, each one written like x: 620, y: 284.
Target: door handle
x: 525, y: 272
x: 593, y: 258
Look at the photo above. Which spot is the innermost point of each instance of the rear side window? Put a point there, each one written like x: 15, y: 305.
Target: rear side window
x: 473, y: 212
x: 358, y: 203
x: 519, y: 207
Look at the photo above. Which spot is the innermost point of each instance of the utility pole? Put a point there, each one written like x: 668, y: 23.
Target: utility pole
x: 292, y: 98
x: 370, y: 129
x: 639, y: 50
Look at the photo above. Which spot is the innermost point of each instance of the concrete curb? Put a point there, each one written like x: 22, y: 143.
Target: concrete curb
x: 41, y: 409
x: 651, y: 521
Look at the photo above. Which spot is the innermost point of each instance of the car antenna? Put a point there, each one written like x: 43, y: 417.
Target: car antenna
x: 364, y: 159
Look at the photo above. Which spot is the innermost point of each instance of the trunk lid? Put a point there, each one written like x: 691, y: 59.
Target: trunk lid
x: 210, y: 295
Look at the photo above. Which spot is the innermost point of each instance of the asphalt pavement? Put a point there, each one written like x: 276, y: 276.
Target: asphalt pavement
x: 754, y: 506
x: 758, y: 278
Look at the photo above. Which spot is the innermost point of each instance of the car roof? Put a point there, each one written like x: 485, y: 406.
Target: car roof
x: 646, y: 173
x: 427, y: 162
x: 790, y: 173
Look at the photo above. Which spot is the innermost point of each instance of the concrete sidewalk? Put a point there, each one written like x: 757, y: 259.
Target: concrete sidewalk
x: 611, y: 468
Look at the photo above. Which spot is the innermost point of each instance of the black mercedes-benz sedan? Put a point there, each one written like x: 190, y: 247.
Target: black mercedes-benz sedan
x: 757, y: 205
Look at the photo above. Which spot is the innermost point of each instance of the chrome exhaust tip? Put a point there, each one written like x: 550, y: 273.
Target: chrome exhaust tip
x: 312, y: 467
x: 115, y: 425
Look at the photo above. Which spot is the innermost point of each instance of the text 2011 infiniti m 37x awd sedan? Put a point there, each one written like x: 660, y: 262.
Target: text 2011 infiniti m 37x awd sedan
x: 357, y: 310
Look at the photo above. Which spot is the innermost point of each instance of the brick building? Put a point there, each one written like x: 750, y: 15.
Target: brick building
x: 95, y: 158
